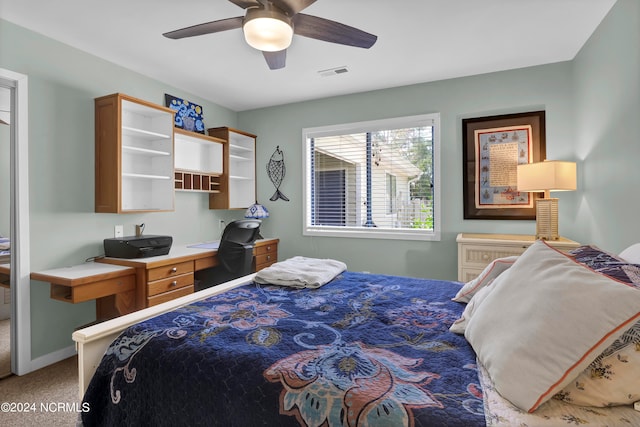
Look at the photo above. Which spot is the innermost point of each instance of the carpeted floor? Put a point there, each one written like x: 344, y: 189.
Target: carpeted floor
x: 46, y: 397
x: 5, y: 348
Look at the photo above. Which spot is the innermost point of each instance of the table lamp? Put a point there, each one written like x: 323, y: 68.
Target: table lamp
x: 547, y: 176
x: 257, y: 211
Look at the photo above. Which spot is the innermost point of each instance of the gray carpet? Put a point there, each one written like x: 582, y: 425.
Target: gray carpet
x: 50, y: 395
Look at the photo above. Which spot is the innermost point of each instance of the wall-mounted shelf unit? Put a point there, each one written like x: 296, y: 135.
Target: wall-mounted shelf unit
x: 238, y: 181
x: 198, y: 161
x: 134, y: 155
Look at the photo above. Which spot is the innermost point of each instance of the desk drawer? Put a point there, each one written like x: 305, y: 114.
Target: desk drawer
x: 169, y: 284
x: 271, y: 248
x: 93, y: 290
x: 265, y: 260
x: 171, y: 270
x: 168, y: 296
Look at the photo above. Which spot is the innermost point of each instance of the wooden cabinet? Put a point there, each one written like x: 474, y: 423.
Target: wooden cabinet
x: 198, y: 161
x: 238, y: 181
x: 476, y: 251
x: 133, y: 155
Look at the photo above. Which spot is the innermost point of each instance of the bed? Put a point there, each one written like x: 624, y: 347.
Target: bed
x: 360, y: 350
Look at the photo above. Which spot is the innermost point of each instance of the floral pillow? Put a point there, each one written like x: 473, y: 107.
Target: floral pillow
x: 612, y: 379
x: 591, y: 254
x: 607, y: 264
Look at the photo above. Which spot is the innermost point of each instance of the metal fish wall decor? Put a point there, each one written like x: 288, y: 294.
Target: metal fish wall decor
x: 276, y: 171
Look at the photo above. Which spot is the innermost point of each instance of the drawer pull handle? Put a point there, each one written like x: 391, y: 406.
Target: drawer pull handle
x: 174, y: 269
x: 268, y: 248
x: 268, y: 257
x: 174, y: 284
x: 485, y: 256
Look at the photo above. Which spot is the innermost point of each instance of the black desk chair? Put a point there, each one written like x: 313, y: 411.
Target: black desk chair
x: 235, y: 254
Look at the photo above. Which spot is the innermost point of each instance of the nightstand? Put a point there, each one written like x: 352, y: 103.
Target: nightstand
x: 476, y: 251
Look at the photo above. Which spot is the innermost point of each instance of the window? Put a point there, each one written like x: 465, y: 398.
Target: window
x: 377, y: 179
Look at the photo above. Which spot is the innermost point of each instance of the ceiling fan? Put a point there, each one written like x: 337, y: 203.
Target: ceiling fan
x: 269, y: 26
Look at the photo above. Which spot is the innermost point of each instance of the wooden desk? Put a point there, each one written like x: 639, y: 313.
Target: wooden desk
x: 112, y: 286
x: 166, y: 277
x: 121, y: 286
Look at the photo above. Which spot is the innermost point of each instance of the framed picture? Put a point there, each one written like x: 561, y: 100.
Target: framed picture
x: 188, y: 115
x: 492, y: 149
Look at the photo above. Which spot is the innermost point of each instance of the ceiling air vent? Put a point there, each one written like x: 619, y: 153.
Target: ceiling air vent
x: 333, y: 71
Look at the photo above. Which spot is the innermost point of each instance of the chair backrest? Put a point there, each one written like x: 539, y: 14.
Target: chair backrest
x: 236, y: 245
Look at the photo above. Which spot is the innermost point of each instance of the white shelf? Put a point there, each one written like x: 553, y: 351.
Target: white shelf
x: 240, y: 148
x: 142, y: 133
x: 143, y: 176
x: 198, y: 153
x: 240, y: 158
x: 144, y: 151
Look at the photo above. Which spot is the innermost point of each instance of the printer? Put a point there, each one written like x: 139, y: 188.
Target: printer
x: 137, y: 246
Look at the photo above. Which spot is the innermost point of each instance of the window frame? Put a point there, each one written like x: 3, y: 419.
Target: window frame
x: 431, y: 119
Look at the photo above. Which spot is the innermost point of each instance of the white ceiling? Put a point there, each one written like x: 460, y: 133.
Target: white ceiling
x: 418, y: 41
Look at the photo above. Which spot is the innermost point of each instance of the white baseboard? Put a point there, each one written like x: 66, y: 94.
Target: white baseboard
x: 51, y: 358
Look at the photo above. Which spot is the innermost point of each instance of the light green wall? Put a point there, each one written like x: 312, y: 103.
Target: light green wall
x: 592, y: 117
x: 546, y: 87
x: 607, y: 106
x: 63, y: 82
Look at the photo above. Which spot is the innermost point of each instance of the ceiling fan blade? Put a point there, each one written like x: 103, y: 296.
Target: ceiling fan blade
x: 291, y: 7
x: 245, y: 3
x: 206, y: 28
x: 331, y: 31
x: 276, y: 60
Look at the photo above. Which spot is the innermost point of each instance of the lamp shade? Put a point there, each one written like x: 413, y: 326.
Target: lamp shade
x: 267, y: 29
x: 551, y: 175
x: 257, y: 211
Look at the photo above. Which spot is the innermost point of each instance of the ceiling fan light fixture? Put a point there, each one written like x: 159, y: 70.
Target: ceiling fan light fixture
x: 267, y: 29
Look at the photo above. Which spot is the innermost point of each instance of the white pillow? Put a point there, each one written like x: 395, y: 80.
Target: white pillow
x: 545, y: 321
x: 459, y: 326
x: 491, y: 271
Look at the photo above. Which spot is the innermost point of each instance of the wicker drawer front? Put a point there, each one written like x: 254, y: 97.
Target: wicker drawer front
x: 168, y: 296
x: 171, y: 270
x: 479, y: 256
x: 170, y: 284
x: 469, y: 274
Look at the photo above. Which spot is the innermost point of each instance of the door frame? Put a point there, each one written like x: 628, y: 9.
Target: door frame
x: 19, y: 218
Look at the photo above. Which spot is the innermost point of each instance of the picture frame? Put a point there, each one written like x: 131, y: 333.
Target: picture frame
x: 493, y: 146
x: 188, y: 115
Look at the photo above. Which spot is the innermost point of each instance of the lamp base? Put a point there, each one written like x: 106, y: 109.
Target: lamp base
x: 547, y: 219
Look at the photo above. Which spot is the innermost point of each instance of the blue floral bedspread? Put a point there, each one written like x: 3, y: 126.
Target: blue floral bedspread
x: 363, y: 350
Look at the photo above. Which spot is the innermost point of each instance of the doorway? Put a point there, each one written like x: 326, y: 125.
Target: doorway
x: 19, y: 282
x: 5, y: 231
